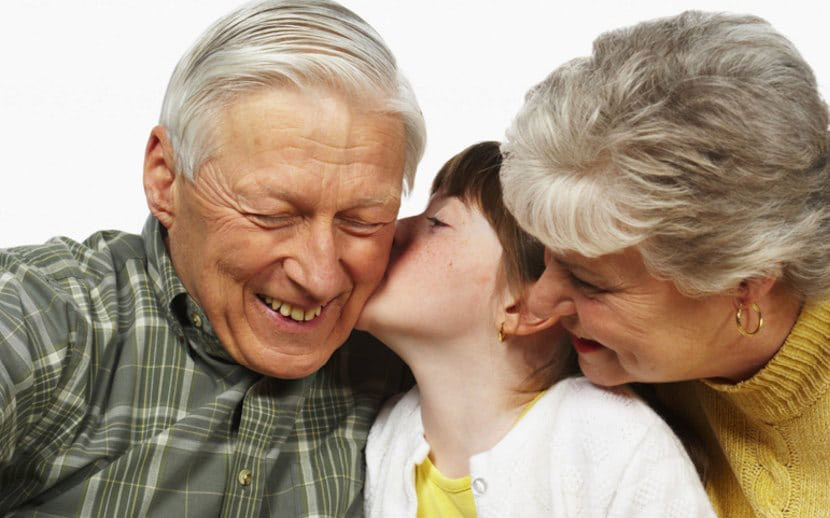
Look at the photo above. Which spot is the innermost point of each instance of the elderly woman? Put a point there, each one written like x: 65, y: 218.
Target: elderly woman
x: 679, y: 178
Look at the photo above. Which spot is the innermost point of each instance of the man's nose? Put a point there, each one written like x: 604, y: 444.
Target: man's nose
x: 551, y: 294
x: 317, y: 267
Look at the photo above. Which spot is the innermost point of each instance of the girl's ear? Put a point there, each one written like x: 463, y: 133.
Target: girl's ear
x: 519, y: 321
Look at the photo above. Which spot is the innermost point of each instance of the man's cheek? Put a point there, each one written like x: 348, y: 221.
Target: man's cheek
x: 371, y: 261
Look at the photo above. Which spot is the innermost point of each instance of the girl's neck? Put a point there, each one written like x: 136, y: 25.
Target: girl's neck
x: 470, y: 398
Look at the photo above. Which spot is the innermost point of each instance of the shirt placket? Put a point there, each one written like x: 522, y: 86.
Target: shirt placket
x: 262, y: 429
x: 245, y: 482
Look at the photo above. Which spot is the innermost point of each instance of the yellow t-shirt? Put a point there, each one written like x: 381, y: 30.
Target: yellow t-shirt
x: 442, y: 496
x: 439, y: 496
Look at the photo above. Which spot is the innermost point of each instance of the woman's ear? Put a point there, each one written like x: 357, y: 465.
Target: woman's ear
x: 160, y: 176
x: 751, y: 291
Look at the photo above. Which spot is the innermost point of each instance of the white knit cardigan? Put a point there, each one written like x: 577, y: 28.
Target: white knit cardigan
x: 581, y: 451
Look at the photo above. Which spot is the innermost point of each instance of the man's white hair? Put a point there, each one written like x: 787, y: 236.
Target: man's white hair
x: 284, y: 43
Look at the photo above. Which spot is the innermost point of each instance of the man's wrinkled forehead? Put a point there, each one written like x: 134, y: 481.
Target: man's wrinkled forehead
x: 290, y: 122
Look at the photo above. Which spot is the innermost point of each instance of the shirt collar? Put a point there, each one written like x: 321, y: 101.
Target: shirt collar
x: 185, y: 313
x: 165, y: 281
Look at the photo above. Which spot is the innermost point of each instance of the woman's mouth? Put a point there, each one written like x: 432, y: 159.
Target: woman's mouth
x: 585, y: 346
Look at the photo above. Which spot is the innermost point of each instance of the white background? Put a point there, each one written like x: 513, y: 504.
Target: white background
x: 81, y: 84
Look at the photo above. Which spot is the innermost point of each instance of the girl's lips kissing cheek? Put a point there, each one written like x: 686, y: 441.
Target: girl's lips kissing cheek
x: 585, y: 346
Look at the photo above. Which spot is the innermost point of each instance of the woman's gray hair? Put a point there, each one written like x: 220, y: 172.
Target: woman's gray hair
x: 700, y: 139
x: 284, y: 43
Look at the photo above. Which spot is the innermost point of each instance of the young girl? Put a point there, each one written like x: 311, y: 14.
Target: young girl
x: 494, y: 426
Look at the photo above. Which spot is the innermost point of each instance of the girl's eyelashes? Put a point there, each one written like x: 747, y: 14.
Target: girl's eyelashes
x: 435, y: 222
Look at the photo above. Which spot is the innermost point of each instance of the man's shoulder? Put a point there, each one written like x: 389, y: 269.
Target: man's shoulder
x: 364, y: 360
x: 364, y: 372
x: 362, y: 344
x: 343, y: 398
x: 54, y: 291
x: 60, y: 258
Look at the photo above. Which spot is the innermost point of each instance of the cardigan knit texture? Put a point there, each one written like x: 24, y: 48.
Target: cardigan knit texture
x: 581, y: 451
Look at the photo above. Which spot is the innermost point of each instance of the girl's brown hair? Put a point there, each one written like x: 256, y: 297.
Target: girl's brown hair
x: 473, y: 176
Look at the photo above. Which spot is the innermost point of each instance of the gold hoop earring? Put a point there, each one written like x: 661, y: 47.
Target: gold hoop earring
x: 501, y: 333
x: 739, y: 317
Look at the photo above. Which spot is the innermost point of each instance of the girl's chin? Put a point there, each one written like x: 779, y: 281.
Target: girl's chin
x: 368, y: 321
x: 375, y: 313
x: 376, y: 328
x: 363, y: 324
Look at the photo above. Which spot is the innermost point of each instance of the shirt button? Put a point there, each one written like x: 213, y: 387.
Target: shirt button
x: 479, y: 486
x: 196, y: 319
x: 245, y: 476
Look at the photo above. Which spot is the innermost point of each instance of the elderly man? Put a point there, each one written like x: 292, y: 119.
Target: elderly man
x: 197, y: 369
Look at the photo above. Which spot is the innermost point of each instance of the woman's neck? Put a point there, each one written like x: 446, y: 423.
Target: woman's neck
x: 470, y: 397
x: 781, y: 309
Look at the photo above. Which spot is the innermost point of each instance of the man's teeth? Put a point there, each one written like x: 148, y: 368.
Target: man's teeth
x: 294, y: 313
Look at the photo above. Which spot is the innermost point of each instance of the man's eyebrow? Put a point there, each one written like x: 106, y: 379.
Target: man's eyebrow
x: 370, y: 201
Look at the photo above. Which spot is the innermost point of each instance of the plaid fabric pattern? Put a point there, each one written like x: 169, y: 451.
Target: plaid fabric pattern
x: 117, y: 399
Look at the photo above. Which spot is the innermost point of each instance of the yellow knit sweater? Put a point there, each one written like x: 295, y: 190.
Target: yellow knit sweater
x: 768, y: 438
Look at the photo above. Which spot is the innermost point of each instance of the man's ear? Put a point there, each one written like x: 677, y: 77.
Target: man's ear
x: 160, y: 176
x: 520, y: 321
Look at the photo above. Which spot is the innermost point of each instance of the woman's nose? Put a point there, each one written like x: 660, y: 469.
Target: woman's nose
x: 550, y: 295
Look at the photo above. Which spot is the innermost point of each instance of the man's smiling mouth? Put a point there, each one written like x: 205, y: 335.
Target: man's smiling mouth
x: 287, y: 310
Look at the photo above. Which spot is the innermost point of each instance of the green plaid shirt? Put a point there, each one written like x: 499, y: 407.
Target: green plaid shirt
x: 117, y: 399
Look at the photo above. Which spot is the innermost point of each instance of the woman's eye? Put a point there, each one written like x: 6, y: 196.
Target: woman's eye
x: 584, y: 286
